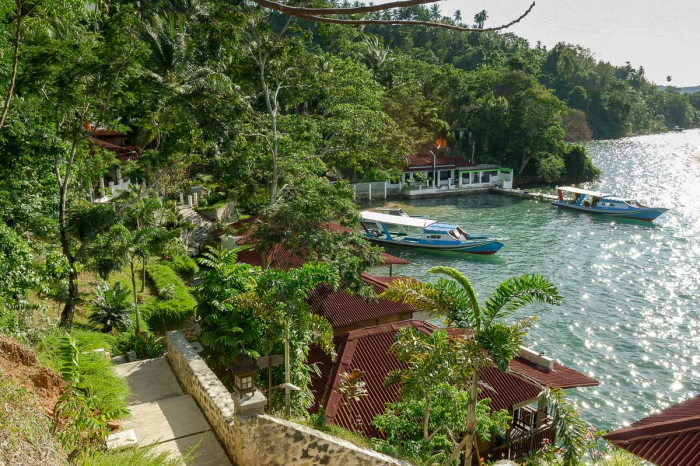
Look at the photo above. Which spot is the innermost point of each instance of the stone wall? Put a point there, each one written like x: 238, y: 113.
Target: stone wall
x: 259, y: 439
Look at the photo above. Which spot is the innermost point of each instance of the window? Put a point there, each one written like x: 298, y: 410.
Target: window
x: 434, y: 236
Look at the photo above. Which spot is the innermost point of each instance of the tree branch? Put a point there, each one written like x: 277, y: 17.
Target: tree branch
x: 299, y: 13
x: 296, y: 10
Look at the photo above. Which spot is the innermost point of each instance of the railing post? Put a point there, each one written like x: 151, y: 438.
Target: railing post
x: 385, y: 190
x: 354, y: 192
x: 369, y: 186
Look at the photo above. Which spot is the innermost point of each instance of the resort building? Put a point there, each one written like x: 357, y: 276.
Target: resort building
x: 438, y: 171
x: 519, y: 391
x: 669, y: 438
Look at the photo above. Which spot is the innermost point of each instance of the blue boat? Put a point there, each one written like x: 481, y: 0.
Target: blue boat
x: 594, y: 202
x: 400, y: 230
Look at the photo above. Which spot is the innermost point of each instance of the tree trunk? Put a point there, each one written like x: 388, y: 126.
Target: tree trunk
x: 143, y: 277
x: 15, y: 60
x: 69, y: 309
x: 526, y: 159
x: 426, y: 416
x: 136, y: 301
x: 467, y: 442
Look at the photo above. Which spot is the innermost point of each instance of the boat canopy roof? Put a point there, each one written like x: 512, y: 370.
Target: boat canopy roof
x: 585, y: 192
x: 442, y: 227
x: 396, y: 219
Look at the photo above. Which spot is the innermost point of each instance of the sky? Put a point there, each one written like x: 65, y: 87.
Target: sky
x: 663, y: 36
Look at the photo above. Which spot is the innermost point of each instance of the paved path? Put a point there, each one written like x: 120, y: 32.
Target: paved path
x: 162, y: 413
x: 203, y: 227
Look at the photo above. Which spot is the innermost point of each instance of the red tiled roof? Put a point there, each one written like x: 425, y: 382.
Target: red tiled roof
x: 669, y: 438
x: 341, y: 308
x: 286, y: 259
x: 366, y: 349
x: 418, y: 162
x: 560, y: 377
x: 101, y: 132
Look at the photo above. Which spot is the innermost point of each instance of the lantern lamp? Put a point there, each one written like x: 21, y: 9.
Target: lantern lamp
x: 244, y: 369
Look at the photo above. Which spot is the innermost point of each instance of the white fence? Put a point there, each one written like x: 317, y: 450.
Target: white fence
x: 376, y: 190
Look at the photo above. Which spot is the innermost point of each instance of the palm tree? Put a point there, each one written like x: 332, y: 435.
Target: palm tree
x: 172, y: 60
x: 112, y: 307
x: 429, y: 364
x: 480, y: 19
x: 457, y: 16
x: 434, y: 12
x: 375, y: 56
x: 495, y: 341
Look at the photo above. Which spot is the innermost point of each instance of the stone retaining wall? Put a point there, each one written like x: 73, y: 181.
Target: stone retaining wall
x: 259, y: 439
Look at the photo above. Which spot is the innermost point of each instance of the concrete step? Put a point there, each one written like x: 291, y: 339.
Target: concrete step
x: 165, y: 420
x: 150, y: 380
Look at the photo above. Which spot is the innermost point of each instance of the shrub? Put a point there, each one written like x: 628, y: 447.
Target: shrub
x: 185, y: 266
x: 146, y: 346
x: 112, y: 307
x: 552, y: 168
x: 168, y: 314
x: 579, y: 166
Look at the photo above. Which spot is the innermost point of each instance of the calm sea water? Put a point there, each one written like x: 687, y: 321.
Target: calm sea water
x: 631, y: 311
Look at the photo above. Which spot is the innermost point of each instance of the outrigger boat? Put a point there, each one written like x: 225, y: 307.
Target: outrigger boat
x: 595, y: 202
x: 398, y: 230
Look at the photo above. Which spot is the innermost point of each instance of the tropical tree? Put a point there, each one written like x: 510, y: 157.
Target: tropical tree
x: 429, y: 362
x: 112, y: 307
x: 495, y: 340
x: 279, y: 299
x: 129, y: 247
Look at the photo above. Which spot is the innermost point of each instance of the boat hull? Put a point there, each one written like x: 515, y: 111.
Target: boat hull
x: 647, y: 215
x: 484, y: 247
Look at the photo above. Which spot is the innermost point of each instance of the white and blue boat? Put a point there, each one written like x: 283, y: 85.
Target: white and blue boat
x: 594, y: 202
x: 400, y: 230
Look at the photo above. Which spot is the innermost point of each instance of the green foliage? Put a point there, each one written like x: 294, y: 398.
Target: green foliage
x: 81, y: 413
x: 112, y: 307
x: 552, y: 168
x: 95, y: 375
x: 401, y: 423
x: 174, y: 306
x: 185, y: 266
x: 143, y: 456
x: 578, y: 165
x: 17, y: 277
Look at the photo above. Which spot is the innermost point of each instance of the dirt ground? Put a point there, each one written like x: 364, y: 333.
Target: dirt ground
x: 21, y: 364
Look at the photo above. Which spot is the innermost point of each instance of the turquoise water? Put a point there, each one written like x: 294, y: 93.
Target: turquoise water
x: 631, y: 310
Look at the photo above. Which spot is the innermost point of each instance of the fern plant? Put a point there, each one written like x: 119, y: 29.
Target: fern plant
x: 78, y: 422
x: 112, y: 307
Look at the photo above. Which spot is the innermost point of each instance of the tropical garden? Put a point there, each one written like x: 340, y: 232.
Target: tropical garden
x: 262, y: 103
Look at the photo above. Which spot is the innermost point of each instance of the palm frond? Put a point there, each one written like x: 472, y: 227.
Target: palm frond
x: 321, y: 333
x: 517, y: 292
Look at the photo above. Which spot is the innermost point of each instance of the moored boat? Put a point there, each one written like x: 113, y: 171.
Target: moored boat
x: 398, y: 230
x: 594, y: 202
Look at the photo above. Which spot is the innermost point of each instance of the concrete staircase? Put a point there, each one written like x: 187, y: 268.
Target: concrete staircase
x: 163, y: 414
x: 203, y: 228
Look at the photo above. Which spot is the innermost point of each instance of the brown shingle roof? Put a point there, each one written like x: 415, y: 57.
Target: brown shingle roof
x: 366, y: 349
x: 560, y: 377
x: 341, y: 308
x: 669, y: 438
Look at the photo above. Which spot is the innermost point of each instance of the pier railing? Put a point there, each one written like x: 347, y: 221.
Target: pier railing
x: 385, y: 190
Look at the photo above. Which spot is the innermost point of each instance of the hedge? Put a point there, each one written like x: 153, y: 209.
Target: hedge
x: 185, y: 266
x: 174, y: 303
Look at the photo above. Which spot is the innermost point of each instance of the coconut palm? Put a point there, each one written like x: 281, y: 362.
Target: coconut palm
x: 496, y: 339
x: 480, y: 18
x: 112, y: 307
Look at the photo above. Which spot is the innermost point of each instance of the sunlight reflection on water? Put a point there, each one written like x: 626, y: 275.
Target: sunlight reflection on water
x: 631, y: 313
